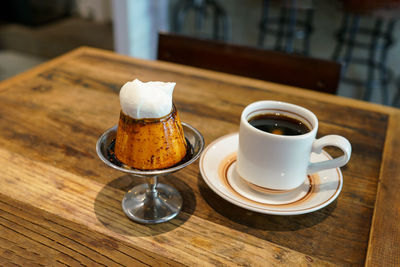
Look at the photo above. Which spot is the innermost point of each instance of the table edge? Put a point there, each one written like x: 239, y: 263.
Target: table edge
x: 383, y: 233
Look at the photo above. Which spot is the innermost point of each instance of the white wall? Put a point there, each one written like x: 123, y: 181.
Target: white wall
x: 136, y: 25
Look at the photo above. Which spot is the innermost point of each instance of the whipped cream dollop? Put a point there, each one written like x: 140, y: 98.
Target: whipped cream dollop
x: 145, y: 100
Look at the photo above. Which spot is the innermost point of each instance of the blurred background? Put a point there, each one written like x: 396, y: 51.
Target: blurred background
x: 362, y: 35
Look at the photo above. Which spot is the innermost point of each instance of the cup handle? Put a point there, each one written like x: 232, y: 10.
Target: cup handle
x: 330, y: 140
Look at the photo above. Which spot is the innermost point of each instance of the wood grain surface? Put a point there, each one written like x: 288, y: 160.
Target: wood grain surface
x: 60, y: 205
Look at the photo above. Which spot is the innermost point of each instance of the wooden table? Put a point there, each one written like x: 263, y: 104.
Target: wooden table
x: 59, y: 204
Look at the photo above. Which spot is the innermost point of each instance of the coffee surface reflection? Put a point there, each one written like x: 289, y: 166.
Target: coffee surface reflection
x: 280, y: 124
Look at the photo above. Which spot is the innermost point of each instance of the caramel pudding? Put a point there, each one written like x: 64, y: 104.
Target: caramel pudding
x: 145, y: 140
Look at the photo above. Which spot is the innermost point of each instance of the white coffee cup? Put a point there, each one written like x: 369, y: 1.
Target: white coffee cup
x: 282, y: 162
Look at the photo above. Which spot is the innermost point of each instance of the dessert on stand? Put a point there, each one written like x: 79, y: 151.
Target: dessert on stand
x: 150, y: 141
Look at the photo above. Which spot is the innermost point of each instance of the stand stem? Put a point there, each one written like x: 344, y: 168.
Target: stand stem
x: 152, y: 182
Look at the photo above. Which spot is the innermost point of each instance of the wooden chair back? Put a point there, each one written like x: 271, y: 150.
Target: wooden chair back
x: 278, y: 67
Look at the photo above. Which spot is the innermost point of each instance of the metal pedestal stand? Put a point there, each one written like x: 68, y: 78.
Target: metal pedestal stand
x: 152, y: 202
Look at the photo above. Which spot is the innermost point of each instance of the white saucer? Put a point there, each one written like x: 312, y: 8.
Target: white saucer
x: 218, y: 168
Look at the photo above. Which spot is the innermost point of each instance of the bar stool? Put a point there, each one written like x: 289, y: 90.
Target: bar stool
x: 380, y: 37
x: 294, y: 22
x: 220, y: 25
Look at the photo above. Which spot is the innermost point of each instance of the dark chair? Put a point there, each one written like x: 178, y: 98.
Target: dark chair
x: 367, y: 26
x: 289, y: 27
x: 396, y: 100
x: 203, y: 10
x: 274, y: 66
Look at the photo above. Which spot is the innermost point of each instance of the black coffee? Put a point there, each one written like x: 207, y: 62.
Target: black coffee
x: 277, y: 123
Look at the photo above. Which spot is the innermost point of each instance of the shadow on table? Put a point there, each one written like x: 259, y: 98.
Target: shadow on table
x: 261, y: 221
x: 108, y: 210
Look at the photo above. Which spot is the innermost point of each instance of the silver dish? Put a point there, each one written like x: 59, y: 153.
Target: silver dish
x: 152, y: 202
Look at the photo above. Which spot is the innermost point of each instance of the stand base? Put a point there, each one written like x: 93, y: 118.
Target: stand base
x: 142, y: 205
